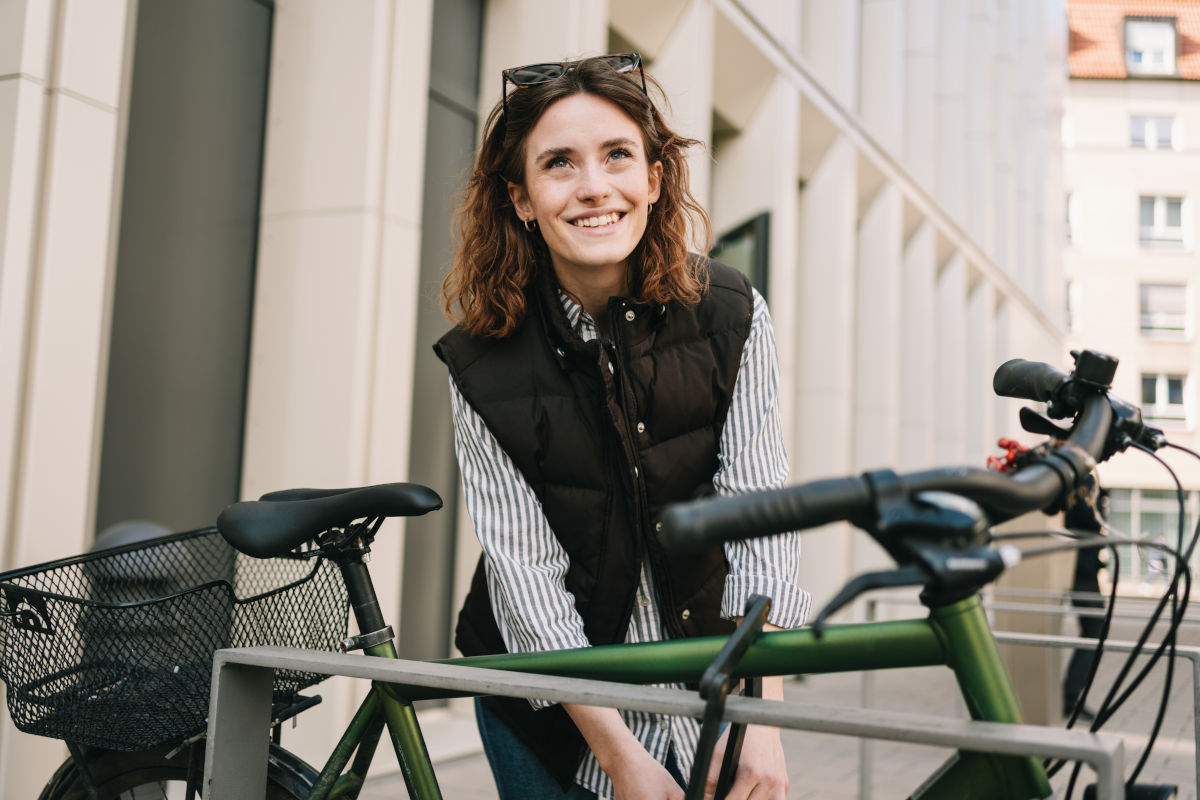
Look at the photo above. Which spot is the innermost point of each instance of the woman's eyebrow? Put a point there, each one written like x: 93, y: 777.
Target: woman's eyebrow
x: 554, y: 152
x: 620, y: 141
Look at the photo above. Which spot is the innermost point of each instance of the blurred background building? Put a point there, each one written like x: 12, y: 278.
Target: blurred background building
x: 223, y: 226
x: 1131, y: 136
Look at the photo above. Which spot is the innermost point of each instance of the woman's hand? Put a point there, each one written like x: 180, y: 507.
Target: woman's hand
x: 761, y: 772
x: 762, y: 769
x: 641, y: 777
x: 636, y: 775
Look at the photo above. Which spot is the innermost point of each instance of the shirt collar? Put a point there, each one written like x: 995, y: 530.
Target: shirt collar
x: 580, y: 321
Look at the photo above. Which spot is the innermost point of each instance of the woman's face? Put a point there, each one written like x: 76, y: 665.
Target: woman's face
x: 588, y: 185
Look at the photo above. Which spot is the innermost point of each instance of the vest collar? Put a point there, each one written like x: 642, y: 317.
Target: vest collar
x: 545, y: 297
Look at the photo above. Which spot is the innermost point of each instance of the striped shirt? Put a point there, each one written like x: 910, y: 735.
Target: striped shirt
x: 526, y: 565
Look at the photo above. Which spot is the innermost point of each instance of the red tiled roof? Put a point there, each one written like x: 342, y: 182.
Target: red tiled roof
x: 1095, y: 49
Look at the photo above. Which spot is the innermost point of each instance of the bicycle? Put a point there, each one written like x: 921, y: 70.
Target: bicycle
x: 935, y: 524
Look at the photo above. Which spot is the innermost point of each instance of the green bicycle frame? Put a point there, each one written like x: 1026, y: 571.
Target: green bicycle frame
x: 957, y: 636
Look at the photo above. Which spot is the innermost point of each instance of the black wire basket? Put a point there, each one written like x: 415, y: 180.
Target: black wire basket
x: 114, y: 649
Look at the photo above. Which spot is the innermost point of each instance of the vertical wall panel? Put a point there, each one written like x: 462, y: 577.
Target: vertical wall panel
x: 950, y: 396
x: 917, y: 357
x: 824, y: 381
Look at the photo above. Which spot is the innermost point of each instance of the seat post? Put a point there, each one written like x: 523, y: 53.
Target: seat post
x: 361, y: 590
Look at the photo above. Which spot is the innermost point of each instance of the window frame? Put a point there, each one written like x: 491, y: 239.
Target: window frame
x: 1158, y: 233
x: 1146, y: 319
x: 1142, y: 28
x: 1153, y: 122
x: 1167, y: 414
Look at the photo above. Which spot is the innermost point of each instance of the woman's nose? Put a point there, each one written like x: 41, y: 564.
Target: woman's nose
x: 593, y: 183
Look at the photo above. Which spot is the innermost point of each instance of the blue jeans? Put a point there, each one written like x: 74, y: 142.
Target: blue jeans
x: 518, y: 773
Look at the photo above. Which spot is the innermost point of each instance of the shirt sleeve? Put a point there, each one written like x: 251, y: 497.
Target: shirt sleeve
x: 752, y: 457
x: 525, y: 564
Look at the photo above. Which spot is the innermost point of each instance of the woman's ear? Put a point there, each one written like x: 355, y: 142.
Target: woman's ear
x: 656, y: 171
x: 520, y: 201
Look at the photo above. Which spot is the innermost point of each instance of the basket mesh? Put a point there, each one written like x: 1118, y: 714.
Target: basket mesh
x: 115, y: 649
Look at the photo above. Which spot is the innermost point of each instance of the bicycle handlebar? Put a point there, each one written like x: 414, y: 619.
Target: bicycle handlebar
x: 707, y: 522
x: 1028, y: 380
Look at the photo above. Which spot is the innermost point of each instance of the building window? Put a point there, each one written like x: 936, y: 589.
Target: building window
x: 1150, y: 46
x: 745, y: 248
x: 1160, y: 220
x: 1163, y: 310
x: 1163, y: 398
x: 1152, y: 133
x: 1151, y: 514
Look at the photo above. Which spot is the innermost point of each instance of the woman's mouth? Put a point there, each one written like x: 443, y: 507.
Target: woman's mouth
x: 599, y: 221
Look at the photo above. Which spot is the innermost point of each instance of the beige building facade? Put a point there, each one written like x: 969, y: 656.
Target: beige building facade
x: 889, y: 170
x: 1131, y: 167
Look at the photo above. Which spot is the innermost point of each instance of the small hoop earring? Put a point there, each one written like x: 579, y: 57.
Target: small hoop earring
x: 651, y: 208
x: 530, y: 224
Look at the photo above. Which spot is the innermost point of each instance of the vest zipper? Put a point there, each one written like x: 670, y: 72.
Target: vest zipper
x: 658, y: 570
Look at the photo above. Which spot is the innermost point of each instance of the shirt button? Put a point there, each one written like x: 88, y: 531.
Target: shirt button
x: 630, y: 316
x: 658, y: 526
x: 662, y: 724
x: 611, y: 369
x: 686, y: 614
x: 641, y: 426
x: 560, y: 352
x: 644, y: 600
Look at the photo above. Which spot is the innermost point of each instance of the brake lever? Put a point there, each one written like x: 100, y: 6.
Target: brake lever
x: 1041, y: 425
x: 908, y: 575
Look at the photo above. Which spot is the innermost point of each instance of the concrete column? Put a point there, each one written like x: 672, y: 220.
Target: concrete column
x: 953, y: 65
x: 684, y: 67
x: 918, y: 402
x: 1050, y: 286
x: 328, y: 401
x: 741, y: 188
x: 877, y: 360
x: 26, y: 43
x: 1003, y: 121
x: 981, y: 365
x: 829, y: 41
x: 1023, y: 141
x: 520, y: 32
x: 882, y: 74
x: 62, y: 118
x: 824, y: 380
x: 950, y: 376
x: 921, y: 135
x: 980, y: 158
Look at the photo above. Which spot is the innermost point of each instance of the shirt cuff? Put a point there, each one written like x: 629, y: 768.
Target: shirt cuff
x: 790, y: 605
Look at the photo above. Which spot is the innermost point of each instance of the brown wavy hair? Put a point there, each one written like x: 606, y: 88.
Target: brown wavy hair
x: 496, y: 258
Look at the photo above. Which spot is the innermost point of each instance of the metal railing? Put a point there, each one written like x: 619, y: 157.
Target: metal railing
x: 241, y: 698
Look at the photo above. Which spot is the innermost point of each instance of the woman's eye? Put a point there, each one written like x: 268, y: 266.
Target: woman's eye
x: 557, y: 161
x: 620, y: 152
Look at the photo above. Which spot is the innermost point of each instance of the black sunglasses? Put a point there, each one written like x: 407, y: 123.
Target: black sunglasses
x: 533, y: 74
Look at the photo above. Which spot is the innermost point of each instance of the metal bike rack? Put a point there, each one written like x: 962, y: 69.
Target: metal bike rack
x: 1034, y: 608
x: 239, y: 713
x: 1189, y: 652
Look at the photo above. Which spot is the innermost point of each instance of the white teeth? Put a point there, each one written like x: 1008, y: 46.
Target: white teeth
x: 596, y: 222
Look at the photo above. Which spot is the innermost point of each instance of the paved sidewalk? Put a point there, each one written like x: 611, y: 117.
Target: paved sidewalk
x: 827, y: 767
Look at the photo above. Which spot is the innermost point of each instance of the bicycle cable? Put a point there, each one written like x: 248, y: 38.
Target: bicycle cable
x: 1110, y: 706
x: 1112, y: 701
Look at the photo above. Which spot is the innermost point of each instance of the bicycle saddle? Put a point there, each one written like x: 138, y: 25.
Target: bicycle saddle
x: 284, y: 520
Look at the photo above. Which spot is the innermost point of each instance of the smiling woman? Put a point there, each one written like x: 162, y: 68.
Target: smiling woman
x: 599, y: 371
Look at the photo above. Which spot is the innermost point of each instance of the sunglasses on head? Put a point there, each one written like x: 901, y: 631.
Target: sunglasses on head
x: 534, y: 74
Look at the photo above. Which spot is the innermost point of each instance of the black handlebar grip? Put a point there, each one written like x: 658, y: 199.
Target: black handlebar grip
x: 1029, y: 380
x: 689, y: 527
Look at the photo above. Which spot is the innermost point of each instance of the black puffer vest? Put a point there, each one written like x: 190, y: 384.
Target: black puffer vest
x: 606, y: 433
